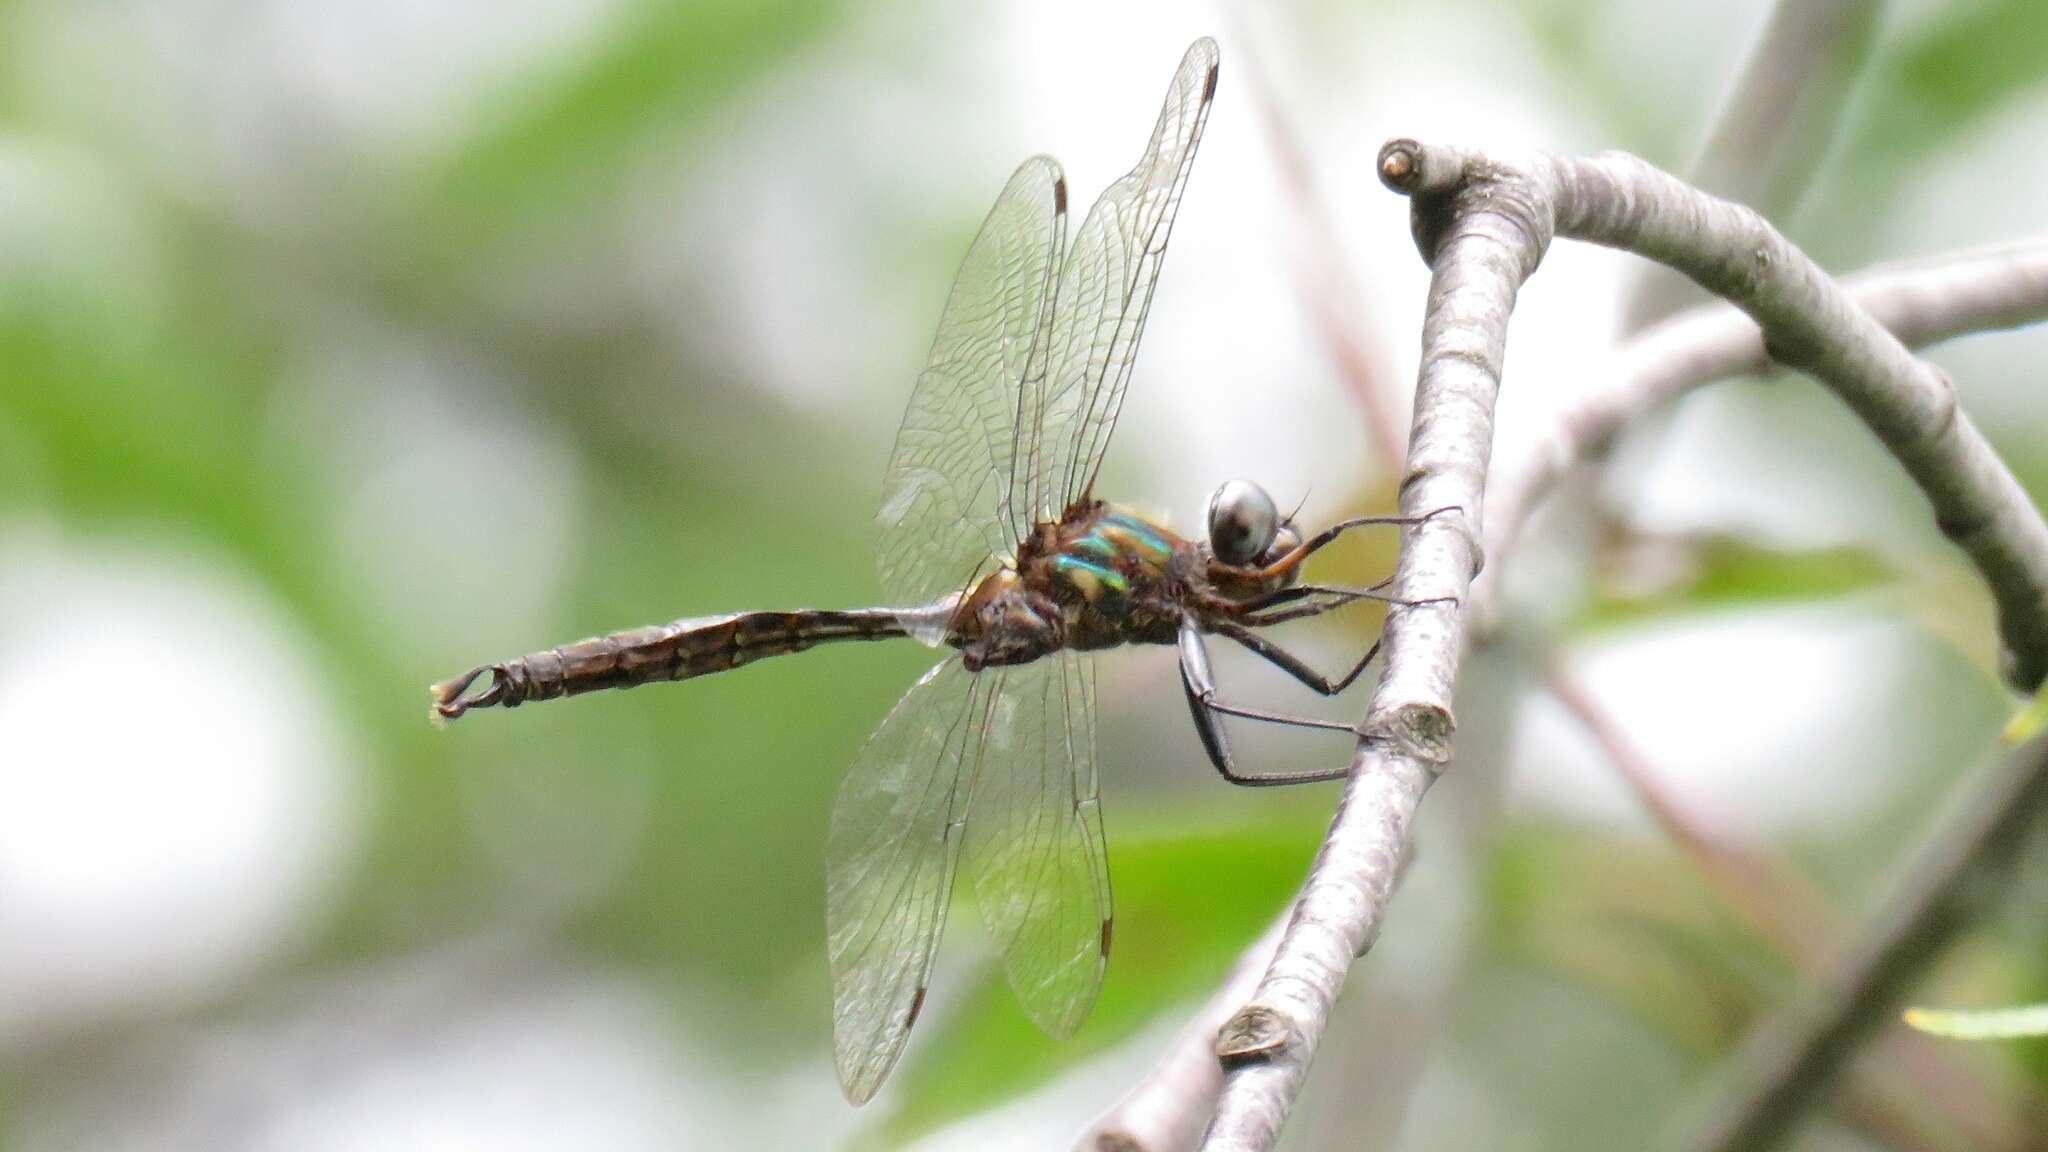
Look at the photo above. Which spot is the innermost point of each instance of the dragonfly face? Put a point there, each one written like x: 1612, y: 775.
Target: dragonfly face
x: 1253, y: 550
x: 993, y: 542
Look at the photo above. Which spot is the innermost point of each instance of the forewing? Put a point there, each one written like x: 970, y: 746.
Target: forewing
x: 889, y: 864
x: 1034, y: 841
x: 1105, y: 290
x: 946, y: 500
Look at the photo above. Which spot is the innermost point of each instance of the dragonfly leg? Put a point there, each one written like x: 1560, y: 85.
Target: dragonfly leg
x: 1208, y: 713
x: 1339, y: 597
x: 1294, y: 592
x: 1320, y: 540
x: 1291, y: 664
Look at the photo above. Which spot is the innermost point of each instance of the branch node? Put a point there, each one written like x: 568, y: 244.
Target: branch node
x: 1416, y: 169
x: 1256, y: 1033
x: 1951, y: 406
x: 1397, y: 164
x: 1417, y: 729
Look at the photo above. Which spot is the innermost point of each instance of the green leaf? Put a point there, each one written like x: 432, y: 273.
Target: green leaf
x: 1718, y: 572
x: 2028, y: 721
x: 1189, y: 899
x: 1982, y: 1024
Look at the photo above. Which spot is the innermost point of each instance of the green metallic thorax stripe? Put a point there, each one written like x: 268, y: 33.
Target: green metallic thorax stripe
x: 1124, y: 531
x: 1093, y: 577
x: 1096, y: 545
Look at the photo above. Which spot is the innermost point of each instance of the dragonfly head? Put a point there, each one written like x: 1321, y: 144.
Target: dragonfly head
x: 1243, y: 522
x: 1246, y: 528
x: 1247, y: 535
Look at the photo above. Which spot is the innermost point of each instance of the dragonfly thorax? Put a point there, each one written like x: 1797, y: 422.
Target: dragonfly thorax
x: 1097, y: 577
x: 1005, y: 622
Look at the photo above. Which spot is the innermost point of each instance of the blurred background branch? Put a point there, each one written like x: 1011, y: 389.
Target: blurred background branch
x: 1777, y: 120
x: 1809, y: 324
x: 1467, y: 208
x: 1938, y: 892
x: 1921, y: 302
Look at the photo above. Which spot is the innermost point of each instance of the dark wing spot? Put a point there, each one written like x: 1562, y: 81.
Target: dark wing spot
x: 1059, y: 196
x: 1209, y: 85
x: 1108, y: 923
x: 916, y: 1006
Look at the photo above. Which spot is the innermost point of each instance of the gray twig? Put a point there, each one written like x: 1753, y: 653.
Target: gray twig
x: 1489, y: 243
x: 1165, y: 1111
x: 1810, y: 324
x: 1772, y: 128
x: 1921, y: 302
x: 1483, y: 224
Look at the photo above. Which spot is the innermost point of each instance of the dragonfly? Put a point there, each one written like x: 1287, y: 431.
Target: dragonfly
x: 991, y: 531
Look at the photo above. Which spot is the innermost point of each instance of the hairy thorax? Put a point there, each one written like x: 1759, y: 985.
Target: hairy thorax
x: 1096, y: 578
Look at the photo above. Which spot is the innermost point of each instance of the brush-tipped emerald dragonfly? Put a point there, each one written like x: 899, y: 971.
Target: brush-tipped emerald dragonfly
x: 991, y: 530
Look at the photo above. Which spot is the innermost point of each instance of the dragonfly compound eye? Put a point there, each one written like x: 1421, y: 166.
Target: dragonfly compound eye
x: 1242, y: 522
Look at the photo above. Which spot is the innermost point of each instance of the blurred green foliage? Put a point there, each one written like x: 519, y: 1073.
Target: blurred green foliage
x: 1637, y: 924
x: 1728, y: 573
x: 556, y: 148
x: 1191, y: 893
x: 149, y: 346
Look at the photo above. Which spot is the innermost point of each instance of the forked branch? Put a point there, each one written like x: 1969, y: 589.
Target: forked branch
x: 1773, y: 126
x: 1921, y: 302
x: 1483, y: 224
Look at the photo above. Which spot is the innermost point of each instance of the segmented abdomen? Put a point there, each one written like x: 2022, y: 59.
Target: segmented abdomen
x: 674, y: 651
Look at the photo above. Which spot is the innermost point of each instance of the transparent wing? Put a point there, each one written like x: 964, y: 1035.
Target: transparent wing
x: 889, y: 864
x: 1034, y: 842
x: 946, y: 500
x: 1104, y: 291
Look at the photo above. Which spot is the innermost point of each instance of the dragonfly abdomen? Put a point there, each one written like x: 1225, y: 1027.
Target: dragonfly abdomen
x: 674, y: 651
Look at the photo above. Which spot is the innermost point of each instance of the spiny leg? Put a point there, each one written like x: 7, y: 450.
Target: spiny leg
x: 1291, y: 664
x: 1292, y: 592
x: 1320, y: 540
x: 1208, y: 712
x: 1340, y: 597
